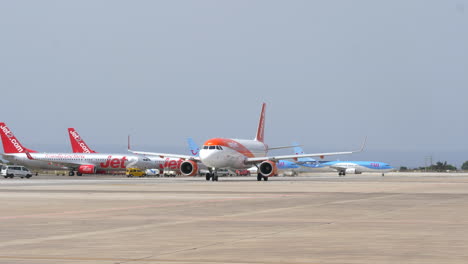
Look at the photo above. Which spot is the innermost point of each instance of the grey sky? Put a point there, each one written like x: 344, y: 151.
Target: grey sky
x: 330, y: 71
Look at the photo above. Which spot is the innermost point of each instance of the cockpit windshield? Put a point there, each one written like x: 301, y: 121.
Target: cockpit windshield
x: 213, y: 147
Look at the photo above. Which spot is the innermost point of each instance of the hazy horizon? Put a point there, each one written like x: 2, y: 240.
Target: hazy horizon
x: 331, y: 73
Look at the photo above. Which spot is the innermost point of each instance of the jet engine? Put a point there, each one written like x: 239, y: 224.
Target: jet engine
x: 189, y: 168
x: 267, y: 168
x: 86, y: 169
x: 352, y: 171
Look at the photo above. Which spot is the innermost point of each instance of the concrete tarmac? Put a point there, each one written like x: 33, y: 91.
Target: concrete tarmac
x: 319, y: 218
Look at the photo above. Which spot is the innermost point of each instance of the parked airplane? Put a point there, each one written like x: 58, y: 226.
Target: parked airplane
x: 219, y: 153
x: 82, y: 163
x: 343, y: 167
x: 358, y: 167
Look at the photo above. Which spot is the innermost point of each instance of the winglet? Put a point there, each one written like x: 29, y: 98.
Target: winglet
x: 363, y: 145
x: 261, y: 125
x: 128, y: 142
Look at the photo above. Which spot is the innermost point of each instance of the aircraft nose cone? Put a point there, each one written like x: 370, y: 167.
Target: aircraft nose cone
x: 208, y: 157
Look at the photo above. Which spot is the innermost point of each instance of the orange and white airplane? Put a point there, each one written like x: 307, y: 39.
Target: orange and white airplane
x: 82, y: 163
x: 219, y: 153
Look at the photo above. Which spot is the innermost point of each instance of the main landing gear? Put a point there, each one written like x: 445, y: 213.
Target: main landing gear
x: 71, y: 173
x: 260, y: 177
x: 341, y: 173
x: 212, y: 176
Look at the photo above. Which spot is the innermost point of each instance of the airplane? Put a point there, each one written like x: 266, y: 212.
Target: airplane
x: 358, y: 167
x: 220, y: 153
x: 343, y: 167
x: 82, y: 163
x: 281, y: 164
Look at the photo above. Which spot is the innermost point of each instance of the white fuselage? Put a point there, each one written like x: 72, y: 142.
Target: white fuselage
x: 73, y: 160
x: 360, y: 166
x: 231, y: 153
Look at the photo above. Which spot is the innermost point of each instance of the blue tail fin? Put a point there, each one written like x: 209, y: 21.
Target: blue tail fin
x: 298, y: 151
x: 194, y: 149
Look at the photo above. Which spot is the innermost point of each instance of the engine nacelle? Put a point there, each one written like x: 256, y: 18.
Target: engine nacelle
x: 87, y: 169
x: 352, y: 171
x: 189, y: 168
x: 268, y: 168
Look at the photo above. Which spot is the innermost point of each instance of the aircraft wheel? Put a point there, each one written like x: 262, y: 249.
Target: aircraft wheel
x: 265, y: 178
x: 208, y: 176
x: 259, y: 177
x: 216, y: 178
x: 71, y: 173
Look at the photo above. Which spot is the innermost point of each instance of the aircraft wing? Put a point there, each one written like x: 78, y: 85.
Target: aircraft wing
x: 165, y: 155
x: 260, y: 159
x: 275, y: 158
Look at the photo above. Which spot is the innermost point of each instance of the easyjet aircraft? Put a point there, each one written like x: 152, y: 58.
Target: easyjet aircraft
x: 82, y: 163
x: 218, y: 153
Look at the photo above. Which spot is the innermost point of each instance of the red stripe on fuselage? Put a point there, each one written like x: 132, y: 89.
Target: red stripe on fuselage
x: 232, y: 144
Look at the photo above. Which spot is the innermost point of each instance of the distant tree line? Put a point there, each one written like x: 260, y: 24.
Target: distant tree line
x: 465, y: 166
x: 439, y: 167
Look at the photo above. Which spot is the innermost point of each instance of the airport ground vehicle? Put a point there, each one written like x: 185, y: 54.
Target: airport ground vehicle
x: 135, y: 172
x: 10, y: 171
x: 169, y: 173
x: 242, y: 172
x: 152, y: 172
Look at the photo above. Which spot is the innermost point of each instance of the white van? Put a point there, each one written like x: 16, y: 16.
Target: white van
x: 10, y: 171
x: 152, y: 172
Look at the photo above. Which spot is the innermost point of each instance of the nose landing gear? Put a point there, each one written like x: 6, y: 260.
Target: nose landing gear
x: 211, y: 176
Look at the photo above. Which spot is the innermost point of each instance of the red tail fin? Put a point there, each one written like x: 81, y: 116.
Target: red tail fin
x: 10, y: 143
x: 261, y: 125
x: 78, y: 145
